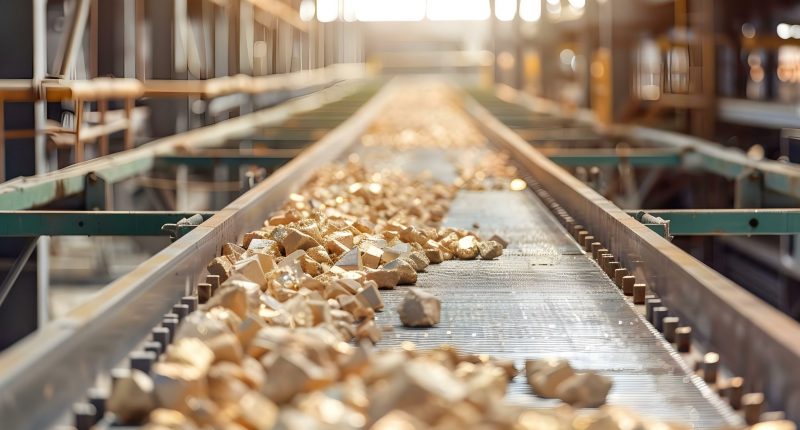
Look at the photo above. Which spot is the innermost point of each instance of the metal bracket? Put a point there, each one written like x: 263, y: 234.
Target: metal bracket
x: 723, y: 222
x: 96, y: 194
x: 749, y: 192
x: 182, y: 227
x: 657, y: 224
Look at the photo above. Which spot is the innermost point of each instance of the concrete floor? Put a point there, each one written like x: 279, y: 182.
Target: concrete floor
x: 80, y: 266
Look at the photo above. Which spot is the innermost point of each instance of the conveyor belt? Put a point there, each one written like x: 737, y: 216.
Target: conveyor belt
x: 543, y: 298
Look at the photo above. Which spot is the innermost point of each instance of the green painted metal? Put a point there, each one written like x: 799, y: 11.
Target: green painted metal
x: 96, y: 193
x: 40, y: 194
x: 699, y: 154
x: 783, y: 178
x: 611, y: 157
x: 661, y: 229
x: 89, y: 223
x: 212, y: 160
x: 39, y: 191
x: 722, y: 222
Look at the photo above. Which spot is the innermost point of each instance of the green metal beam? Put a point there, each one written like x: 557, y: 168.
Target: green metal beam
x: 722, y: 222
x: 211, y: 160
x: 700, y: 155
x: 39, y: 191
x: 783, y: 178
x: 613, y: 157
x: 661, y: 229
x: 89, y: 223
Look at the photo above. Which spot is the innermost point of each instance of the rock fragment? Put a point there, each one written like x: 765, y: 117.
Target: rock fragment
x: 369, y: 296
x: 350, y: 260
x: 295, y: 240
x: 419, y: 309
x: 220, y: 266
x: 132, y: 397
x: 467, y: 248
x: 371, y: 256
x: 584, y: 390
x: 544, y: 376
x: 386, y: 279
x: 490, y: 250
x: 408, y: 276
x: 500, y: 240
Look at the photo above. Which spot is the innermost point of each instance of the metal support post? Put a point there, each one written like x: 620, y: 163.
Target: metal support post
x: 749, y: 189
x: 97, y: 192
x: 73, y: 37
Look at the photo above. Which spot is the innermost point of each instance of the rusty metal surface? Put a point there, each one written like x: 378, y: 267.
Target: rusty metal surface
x: 755, y: 340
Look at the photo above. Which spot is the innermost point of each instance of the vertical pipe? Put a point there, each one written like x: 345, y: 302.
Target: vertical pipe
x: 129, y: 38
x: 493, y: 41
x: 94, y: 38
x: 141, y: 66
x: 40, y: 142
x: 73, y: 38
x: 129, y: 106
x: 2, y: 140
x: 182, y: 187
x: 681, y: 12
x: 102, y: 107
x: 39, y: 67
x: 312, y: 50
x: 79, y: 153
x: 233, y: 37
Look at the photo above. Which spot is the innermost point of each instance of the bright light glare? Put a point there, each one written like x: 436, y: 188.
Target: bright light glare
x: 459, y: 10
x: 748, y: 30
x: 505, y: 10
x: 327, y: 10
x: 577, y: 4
x: 530, y: 10
x: 554, y: 7
x: 307, y: 10
x: 349, y: 10
x: 784, y: 30
x: 390, y: 10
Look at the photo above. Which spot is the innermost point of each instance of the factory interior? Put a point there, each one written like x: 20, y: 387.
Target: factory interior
x: 399, y: 214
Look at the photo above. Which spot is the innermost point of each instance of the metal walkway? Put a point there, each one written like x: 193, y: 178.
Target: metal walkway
x: 543, y: 298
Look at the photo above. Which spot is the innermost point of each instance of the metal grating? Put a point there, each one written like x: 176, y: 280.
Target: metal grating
x: 545, y: 298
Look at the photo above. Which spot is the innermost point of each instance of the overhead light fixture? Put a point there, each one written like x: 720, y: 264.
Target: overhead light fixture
x: 307, y: 10
x: 795, y: 31
x: 784, y: 30
x: 577, y: 4
x: 350, y: 10
x: 390, y: 10
x: 748, y: 30
x: 530, y: 10
x: 554, y: 7
x: 505, y: 10
x: 459, y: 10
x: 327, y: 10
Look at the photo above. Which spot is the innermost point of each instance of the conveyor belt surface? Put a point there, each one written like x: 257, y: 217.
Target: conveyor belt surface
x: 543, y: 298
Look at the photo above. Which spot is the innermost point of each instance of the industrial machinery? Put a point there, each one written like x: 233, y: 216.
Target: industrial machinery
x: 545, y: 296
x: 665, y: 262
